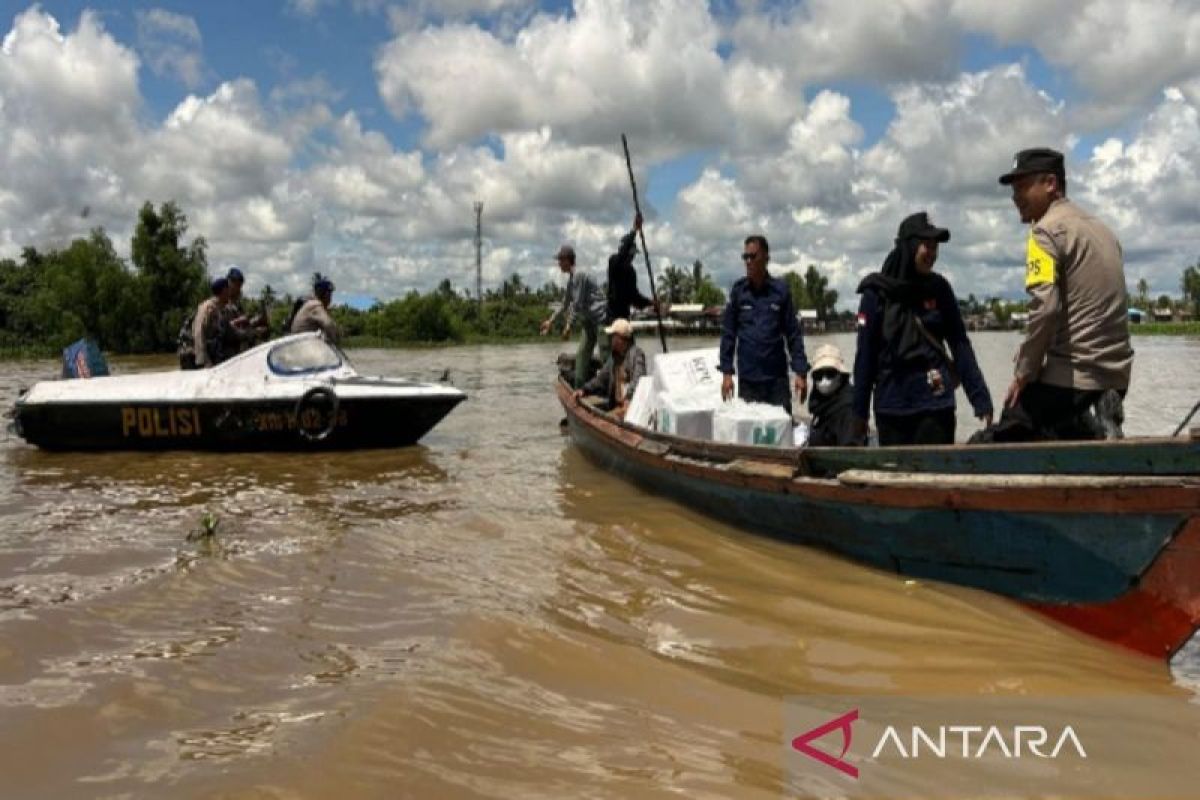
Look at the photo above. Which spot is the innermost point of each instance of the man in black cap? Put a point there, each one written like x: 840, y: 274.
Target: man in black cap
x: 241, y: 331
x: 1076, y: 350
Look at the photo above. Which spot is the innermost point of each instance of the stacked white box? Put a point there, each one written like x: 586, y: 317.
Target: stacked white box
x: 689, y: 415
x: 739, y: 422
x: 688, y: 372
x: 641, y: 405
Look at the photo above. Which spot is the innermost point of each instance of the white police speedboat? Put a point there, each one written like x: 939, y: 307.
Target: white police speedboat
x: 298, y: 392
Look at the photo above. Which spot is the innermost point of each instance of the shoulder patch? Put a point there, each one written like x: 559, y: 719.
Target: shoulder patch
x: 1040, y: 267
x: 862, y: 319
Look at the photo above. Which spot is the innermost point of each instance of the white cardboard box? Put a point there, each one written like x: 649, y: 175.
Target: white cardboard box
x: 689, y: 415
x: 688, y: 372
x: 739, y: 422
x: 641, y: 405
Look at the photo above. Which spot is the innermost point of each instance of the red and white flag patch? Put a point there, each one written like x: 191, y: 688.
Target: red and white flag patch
x: 862, y: 319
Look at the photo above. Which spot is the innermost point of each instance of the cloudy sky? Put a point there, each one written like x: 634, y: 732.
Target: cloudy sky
x: 353, y: 136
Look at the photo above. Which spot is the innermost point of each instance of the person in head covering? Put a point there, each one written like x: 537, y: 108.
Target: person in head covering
x: 1076, y: 353
x: 314, y: 314
x: 583, y: 300
x: 906, y: 319
x: 617, y: 379
x: 831, y: 402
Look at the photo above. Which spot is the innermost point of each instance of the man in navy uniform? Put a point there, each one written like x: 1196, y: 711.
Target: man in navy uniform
x: 760, y: 325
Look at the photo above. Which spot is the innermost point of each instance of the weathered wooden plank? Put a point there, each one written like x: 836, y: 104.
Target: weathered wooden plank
x: 936, y: 480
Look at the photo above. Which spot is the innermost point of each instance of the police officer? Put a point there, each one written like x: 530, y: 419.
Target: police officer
x: 1076, y: 349
x: 241, y: 331
x: 314, y: 314
x: 208, y: 326
x: 759, y: 323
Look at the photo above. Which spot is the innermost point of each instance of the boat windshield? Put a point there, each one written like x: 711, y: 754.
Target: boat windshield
x: 303, y: 355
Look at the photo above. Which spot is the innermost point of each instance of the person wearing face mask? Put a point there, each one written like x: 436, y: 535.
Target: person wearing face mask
x: 906, y: 319
x: 832, y: 402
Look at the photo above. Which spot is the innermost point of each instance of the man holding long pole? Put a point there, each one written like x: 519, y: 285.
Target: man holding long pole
x: 662, y: 336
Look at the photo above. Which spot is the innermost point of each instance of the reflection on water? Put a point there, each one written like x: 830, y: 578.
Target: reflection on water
x: 486, y: 614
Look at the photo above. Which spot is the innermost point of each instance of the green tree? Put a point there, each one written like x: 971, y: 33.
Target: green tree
x: 1143, y: 295
x: 675, y: 285
x: 1191, y: 288
x: 172, y: 275
x: 796, y: 289
x: 820, y: 296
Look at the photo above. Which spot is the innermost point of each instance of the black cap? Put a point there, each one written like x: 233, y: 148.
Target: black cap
x: 235, y: 274
x: 1034, y: 161
x: 918, y: 226
x: 323, y: 285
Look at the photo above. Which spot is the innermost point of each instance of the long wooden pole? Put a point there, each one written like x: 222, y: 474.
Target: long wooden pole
x: 662, y: 335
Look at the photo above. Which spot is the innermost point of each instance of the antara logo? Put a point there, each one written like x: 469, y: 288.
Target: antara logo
x: 802, y: 743
x: 943, y: 741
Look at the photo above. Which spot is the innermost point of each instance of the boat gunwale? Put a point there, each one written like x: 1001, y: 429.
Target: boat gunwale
x: 709, y: 461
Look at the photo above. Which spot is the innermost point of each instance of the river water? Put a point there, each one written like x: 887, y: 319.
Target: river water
x: 483, y: 615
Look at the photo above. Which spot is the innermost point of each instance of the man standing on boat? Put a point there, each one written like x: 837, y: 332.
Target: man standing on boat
x: 1076, y: 350
x: 314, y: 314
x: 623, y: 292
x: 242, y: 331
x: 584, y: 301
x: 208, y: 326
x: 758, y: 323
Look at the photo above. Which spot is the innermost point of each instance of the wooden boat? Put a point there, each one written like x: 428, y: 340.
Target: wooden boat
x: 1101, y: 536
x: 295, y: 393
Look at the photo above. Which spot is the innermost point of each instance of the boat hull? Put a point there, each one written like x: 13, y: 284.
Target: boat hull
x: 1083, y: 550
x: 231, y: 425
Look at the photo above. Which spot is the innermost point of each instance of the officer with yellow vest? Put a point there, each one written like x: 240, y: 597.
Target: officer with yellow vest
x: 1076, y: 344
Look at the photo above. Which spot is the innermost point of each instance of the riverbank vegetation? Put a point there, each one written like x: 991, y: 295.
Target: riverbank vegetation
x: 49, y: 299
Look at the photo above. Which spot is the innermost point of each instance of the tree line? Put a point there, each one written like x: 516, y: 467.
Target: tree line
x: 50, y: 298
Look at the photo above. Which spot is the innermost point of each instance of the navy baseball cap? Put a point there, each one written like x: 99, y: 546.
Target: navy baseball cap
x: 235, y: 274
x: 219, y: 285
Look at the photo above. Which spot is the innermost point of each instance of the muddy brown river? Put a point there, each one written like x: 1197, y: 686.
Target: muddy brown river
x: 483, y: 615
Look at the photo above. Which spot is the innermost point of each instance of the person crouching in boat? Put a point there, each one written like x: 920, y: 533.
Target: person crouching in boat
x: 906, y: 318
x: 831, y: 402
x: 1076, y: 353
x: 618, y: 377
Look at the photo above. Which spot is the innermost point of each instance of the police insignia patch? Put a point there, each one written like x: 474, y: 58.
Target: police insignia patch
x: 1040, y: 267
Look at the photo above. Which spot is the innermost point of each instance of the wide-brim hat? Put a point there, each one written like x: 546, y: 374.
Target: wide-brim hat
x: 829, y: 357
